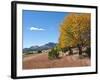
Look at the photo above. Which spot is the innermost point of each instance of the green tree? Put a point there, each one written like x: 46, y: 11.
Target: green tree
x: 53, y: 54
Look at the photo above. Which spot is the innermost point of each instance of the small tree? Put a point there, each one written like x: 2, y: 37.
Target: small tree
x: 53, y: 54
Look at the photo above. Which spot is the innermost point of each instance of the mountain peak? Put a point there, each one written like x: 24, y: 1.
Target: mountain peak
x: 43, y: 47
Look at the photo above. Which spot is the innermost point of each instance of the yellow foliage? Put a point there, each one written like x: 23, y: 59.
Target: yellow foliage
x: 75, y: 29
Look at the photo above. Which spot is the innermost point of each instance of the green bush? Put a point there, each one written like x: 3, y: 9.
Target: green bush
x: 50, y: 56
x: 53, y: 54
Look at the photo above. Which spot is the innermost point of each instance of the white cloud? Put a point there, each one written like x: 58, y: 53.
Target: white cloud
x: 36, y: 29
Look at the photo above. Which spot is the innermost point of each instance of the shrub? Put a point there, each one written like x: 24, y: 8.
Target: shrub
x: 39, y: 51
x: 50, y: 56
x: 53, y: 54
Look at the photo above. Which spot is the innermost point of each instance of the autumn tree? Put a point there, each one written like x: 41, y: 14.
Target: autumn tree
x: 75, y: 31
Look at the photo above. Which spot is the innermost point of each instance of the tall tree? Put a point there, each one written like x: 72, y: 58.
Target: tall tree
x: 75, y: 31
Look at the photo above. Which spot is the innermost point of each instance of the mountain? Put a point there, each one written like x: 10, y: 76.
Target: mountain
x: 37, y: 48
x: 48, y: 46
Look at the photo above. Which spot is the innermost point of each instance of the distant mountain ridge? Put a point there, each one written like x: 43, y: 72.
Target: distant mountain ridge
x: 37, y: 48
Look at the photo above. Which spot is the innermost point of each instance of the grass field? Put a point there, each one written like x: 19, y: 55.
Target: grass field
x: 36, y: 61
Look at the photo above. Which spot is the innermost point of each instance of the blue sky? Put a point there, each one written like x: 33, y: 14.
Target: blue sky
x: 41, y: 27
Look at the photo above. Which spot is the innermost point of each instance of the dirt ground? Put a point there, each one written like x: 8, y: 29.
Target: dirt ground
x: 41, y: 61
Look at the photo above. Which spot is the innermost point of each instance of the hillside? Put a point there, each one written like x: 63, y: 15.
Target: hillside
x: 37, y: 48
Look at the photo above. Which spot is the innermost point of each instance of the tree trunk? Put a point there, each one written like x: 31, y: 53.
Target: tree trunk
x: 80, y: 49
x: 70, y: 51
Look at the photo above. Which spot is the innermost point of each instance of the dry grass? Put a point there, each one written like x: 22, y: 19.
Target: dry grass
x: 42, y: 61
